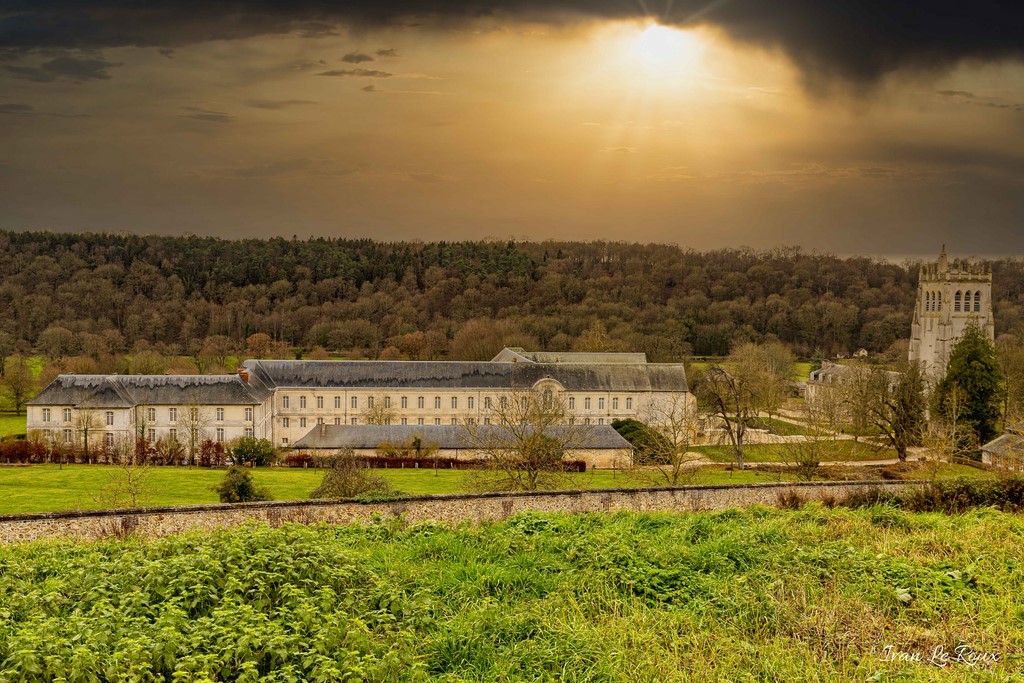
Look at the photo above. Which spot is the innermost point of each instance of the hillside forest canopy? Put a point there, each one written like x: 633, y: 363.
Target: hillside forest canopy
x: 117, y: 303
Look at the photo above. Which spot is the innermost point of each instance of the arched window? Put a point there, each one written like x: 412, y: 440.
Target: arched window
x: 940, y: 301
x: 956, y: 303
x: 967, y: 301
x: 977, y: 302
x: 928, y: 301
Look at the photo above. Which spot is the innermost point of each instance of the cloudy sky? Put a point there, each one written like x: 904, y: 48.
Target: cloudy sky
x: 862, y: 126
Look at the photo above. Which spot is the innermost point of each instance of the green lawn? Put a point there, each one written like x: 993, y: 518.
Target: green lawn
x: 49, y: 488
x: 844, y: 450
x: 11, y: 424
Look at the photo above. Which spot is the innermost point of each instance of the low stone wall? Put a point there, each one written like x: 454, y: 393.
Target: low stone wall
x: 163, y: 521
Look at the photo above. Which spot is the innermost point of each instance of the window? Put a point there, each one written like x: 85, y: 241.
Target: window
x: 193, y: 414
x: 629, y: 404
x: 151, y: 435
x: 284, y: 441
x: 523, y: 402
x: 586, y: 404
x: 419, y: 402
x: 572, y: 403
x: 487, y: 402
x: 173, y: 434
x: 615, y: 404
x: 284, y: 422
x: 248, y: 414
x: 419, y: 421
x: 504, y: 402
x: 487, y: 420
x: 220, y: 435
x: 319, y: 421
x: 600, y: 420
x: 977, y: 302
x: 470, y: 421
x: 387, y: 401
x: 302, y: 422
x: 285, y: 402
x: 437, y: 421
x: 220, y: 414
x: 302, y: 402
x: 337, y: 420
x: 455, y: 402
x: 320, y: 402
x: 337, y: 402
x: 956, y: 302
x: 405, y: 401
x: 67, y: 414
x: 405, y: 421
x: 46, y: 414
x: 354, y: 421
x: 455, y: 421
x: 586, y: 421
x: 600, y: 404
x: 68, y: 436
x: 108, y: 440
x: 437, y: 403
x: 369, y: 401
x: 248, y: 432
x: 470, y: 403
x: 172, y: 414
x: 355, y: 402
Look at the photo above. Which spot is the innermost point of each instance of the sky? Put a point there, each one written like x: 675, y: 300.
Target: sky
x: 862, y: 126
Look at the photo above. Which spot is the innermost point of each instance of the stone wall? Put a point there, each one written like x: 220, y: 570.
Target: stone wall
x: 155, y: 522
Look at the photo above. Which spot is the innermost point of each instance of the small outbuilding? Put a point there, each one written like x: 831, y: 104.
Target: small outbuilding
x: 599, y: 446
x: 1006, y: 451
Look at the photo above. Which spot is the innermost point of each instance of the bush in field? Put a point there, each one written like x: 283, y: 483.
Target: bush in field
x: 21, y: 451
x: 252, y: 451
x: 954, y: 496
x: 348, y: 477
x: 211, y: 454
x: 238, y: 487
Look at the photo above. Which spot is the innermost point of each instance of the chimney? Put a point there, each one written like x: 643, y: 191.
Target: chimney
x: 243, y: 374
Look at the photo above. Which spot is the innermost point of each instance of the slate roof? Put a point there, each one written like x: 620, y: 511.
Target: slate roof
x: 447, y: 437
x: 329, y: 374
x: 123, y: 391
x: 1007, y: 444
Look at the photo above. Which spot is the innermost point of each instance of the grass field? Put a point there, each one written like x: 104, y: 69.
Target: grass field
x: 844, y: 450
x: 11, y: 424
x: 49, y: 488
x: 756, y: 595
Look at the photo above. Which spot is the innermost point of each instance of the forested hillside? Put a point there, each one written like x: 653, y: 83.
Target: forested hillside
x: 75, y: 295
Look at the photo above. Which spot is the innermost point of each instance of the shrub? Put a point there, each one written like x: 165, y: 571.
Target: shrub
x: 348, y: 478
x: 302, y: 459
x: 238, y: 487
x: 250, y: 450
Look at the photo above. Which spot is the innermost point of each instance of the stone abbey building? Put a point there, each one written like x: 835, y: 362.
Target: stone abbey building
x: 284, y: 401
x: 950, y: 297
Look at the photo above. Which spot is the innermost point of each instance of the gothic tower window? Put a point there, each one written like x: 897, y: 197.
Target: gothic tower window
x: 977, y: 302
x: 956, y: 303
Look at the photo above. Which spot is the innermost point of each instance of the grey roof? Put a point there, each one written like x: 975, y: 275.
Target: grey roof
x: 1007, y: 444
x: 515, y: 353
x: 123, y: 391
x: 447, y: 437
x: 342, y: 374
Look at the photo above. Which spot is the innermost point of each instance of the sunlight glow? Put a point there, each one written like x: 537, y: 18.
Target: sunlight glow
x: 665, y: 51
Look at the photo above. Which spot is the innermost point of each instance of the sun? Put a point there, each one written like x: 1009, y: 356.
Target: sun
x: 663, y: 50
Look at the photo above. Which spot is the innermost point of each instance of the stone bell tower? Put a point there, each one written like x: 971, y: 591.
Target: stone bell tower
x: 949, y: 298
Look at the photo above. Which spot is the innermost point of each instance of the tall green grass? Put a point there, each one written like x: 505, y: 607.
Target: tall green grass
x: 755, y: 595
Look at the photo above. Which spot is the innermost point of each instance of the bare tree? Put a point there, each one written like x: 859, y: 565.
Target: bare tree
x: 87, y: 421
x: 524, y: 440
x: 675, y: 422
x: 379, y: 411
x: 128, y: 485
x: 193, y: 421
x: 822, y: 418
x: 18, y: 383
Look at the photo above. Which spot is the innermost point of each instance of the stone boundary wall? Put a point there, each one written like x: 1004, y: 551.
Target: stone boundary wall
x: 451, y: 509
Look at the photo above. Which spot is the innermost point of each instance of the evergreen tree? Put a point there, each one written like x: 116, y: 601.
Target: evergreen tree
x: 973, y: 371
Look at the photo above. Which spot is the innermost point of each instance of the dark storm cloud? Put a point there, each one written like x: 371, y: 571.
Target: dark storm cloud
x: 387, y: 52
x: 356, y: 73
x: 852, y: 41
x: 357, y: 58
x: 65, y: 67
